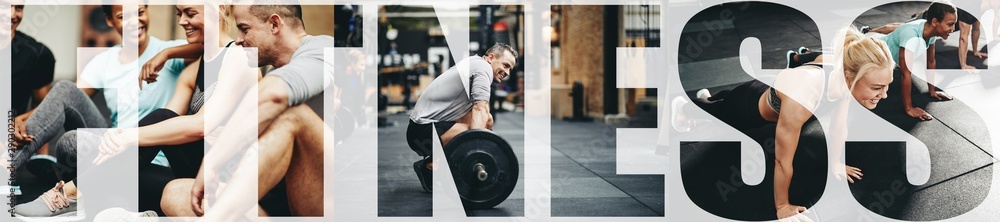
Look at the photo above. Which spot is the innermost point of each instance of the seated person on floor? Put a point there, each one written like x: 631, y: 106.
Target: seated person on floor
x: 69, y: 107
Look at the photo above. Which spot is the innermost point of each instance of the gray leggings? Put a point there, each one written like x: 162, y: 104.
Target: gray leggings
x: 65, y: 107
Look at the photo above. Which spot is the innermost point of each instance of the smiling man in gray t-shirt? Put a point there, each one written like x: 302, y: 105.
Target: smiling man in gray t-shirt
x: 455, y: 102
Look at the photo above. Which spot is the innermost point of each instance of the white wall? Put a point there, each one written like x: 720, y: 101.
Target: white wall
x: 58, y: 27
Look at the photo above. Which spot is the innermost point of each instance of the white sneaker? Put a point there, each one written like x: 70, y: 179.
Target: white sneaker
x: 118, y: 214
x: 803, y: 50
x: 703, y: 94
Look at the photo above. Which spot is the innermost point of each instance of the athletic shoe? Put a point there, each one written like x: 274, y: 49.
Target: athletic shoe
x: 424, y: 174
x: 789, y: 56
x: 121, y: 215
x: 703, y: 94
x: 52, y: 203
x: 865, y: 29
x: 803, y: 50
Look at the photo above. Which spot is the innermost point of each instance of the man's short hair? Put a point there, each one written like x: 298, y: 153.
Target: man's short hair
x: 938, y: 10
x: 290, y: 13
x: 499, y: 48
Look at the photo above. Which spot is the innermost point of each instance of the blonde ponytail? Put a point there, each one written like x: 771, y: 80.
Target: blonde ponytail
x: 861, y: 54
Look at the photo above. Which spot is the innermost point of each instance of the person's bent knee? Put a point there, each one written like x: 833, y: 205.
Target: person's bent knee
x: 65, y: 149
x: 175, y: 197
x: 273, y: 90
x: 67, y: 92
x: 456, y: 129
x: 294, y: 114
x: 63, y: 84
x: 62, y: 89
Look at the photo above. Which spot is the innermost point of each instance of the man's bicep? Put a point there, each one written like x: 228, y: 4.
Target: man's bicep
x: 480, y: 87
x: 304, y: 80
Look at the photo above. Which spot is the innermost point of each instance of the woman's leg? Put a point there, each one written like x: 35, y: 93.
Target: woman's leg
x: 185, y: 159
x: 65, y: 107
x: 736, y: 107
x: 886, y: 29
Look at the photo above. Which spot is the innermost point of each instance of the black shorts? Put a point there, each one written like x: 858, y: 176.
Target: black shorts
x: 737, y: 107
x: 419, y: 136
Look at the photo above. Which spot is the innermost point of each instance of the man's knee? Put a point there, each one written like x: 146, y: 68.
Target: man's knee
x: 294, y: 115
x: 175, y: 197
x: 272, y: 90
x: 453, y: 131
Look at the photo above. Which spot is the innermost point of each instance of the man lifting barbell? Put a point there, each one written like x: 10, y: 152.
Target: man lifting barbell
x: 455, y: 102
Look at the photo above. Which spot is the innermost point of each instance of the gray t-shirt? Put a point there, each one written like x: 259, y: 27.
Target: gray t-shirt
x: 304, y: 74
x: 451, y: 95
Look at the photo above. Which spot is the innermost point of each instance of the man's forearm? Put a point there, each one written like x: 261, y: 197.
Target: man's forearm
x: 239, y: 133
x: 480, y: 115
x: 975, y: 37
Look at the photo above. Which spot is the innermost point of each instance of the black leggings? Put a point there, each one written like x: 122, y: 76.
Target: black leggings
x: 185, y: 159
x: 420, y: 137
x: 737, y: 107
x: 805, y: 58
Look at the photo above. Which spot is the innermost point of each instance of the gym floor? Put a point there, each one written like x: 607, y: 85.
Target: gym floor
x: 957, y: 139
x: 583, y: 174
x: 399, y: 190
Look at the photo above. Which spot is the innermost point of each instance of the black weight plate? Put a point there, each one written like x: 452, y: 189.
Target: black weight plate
x: 501, y: 165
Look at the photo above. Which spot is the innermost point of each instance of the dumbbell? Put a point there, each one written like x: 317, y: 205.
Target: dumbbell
x: 484, y: 167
